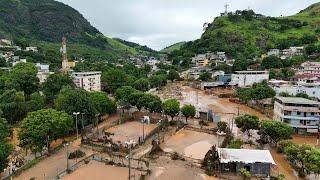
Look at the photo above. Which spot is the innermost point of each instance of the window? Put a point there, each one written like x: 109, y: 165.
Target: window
x: 298, y: 112
x: 312, y: 114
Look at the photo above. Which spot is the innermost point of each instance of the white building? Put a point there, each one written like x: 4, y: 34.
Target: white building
x: 300, y: 113
x: 6, y: 42
x: 14, y: 63
x: 90, y: 81
x: 248, y: 78
x: 306, y: 84
x: 43, y: 72
x: 32, y: 49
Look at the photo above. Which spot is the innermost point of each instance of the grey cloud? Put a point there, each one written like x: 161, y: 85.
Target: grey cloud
x: 159, y: 23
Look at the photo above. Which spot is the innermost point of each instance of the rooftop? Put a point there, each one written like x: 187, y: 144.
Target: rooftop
x: 86, y: 73
x: 297, y: 100
x: 245, y: 156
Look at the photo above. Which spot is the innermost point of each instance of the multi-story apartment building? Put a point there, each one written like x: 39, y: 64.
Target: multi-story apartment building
x: 300, y: 113
x: 248, y: 78
x: 309, y: 68
x: 90, y: 81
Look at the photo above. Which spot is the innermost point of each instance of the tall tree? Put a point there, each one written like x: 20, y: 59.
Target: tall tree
x: 157, y: 81
x: 36, y: 102
x: 171, y: 108
x: 247, y: 122
x: 75, y: 100
x: 42, y: 127
x: 103, y: 103
x: 173, y: 75
x: 12, y: 104
x: 23, y: 77
x: 54, y: 84
x: 5, y: 147
x: 189, y: 111
x: 275, y: 131
x: 142, y: 84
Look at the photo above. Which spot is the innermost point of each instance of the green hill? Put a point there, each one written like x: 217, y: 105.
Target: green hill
x: 173, y: 47
x: 44, y: 22
x: 245, y: 34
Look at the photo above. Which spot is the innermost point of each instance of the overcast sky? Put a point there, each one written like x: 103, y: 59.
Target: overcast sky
x: 160, y: 23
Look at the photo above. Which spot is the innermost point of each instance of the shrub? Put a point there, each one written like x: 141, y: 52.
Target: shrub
x: 245, y: 174
x: 236, y: 144
x: 76, y: 154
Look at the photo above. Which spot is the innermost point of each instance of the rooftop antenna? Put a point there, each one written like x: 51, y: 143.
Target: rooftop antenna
x: 226, y: 8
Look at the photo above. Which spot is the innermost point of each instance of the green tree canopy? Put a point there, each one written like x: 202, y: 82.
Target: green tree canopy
x: 275, y: 131
x: 171, y: 107
x: 222, y: 126
x: 173, y: 75
x: 5, y: 147
x: 12, y: 104
x: 142, y: 84
x: 103, y: 103
x: 247, y: 122
x: 75, y: 100
x: 43, y: 125
x: 150, y: 102
x: 36, y: 102
x: 271, y: 62
x: 54, y: 84
x: 157, y: 81
x: 23, y: 77
x: 189, y: 111
x: 205, y: 76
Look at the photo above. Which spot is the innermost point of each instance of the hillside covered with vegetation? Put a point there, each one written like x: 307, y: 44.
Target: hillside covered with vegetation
x: 245, y: 34
x: 173, y: 47
x: 44, y: 22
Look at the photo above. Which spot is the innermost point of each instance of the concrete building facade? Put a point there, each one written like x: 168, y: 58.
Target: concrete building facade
x: 89, y: 81
x: 248, y: 78
x: 300, y: 113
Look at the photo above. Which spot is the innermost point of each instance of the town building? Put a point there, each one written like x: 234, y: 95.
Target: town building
x: 307, y: 84
x: 90, y: 81
x: 5, y: 42
x: 14, y: 63
x: 309, y: 68
x: 248, y: 78
x: 209, y: 59
x: 274, y: 52
x: 257, y: 162
x: 300, y: 113
x: 43, y: 72
x: 292, y: 51
x: 31, y: 49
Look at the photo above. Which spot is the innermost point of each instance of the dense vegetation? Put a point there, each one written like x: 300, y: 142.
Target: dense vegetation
x: 246, y: 35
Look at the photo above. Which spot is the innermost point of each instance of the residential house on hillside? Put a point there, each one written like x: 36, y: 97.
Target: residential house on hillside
x: 307, y: 84
x: 31, y: 49
x: 309, y: 68
x: 300, y: 113
x: 43, y: 72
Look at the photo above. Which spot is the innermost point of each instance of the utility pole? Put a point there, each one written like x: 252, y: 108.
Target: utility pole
x: 143, y: 129
x: 129, y: 144
x: 76, y: 114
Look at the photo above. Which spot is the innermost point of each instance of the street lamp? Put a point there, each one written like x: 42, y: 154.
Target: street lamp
x: 129, y: 144
x: 76, y: 114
